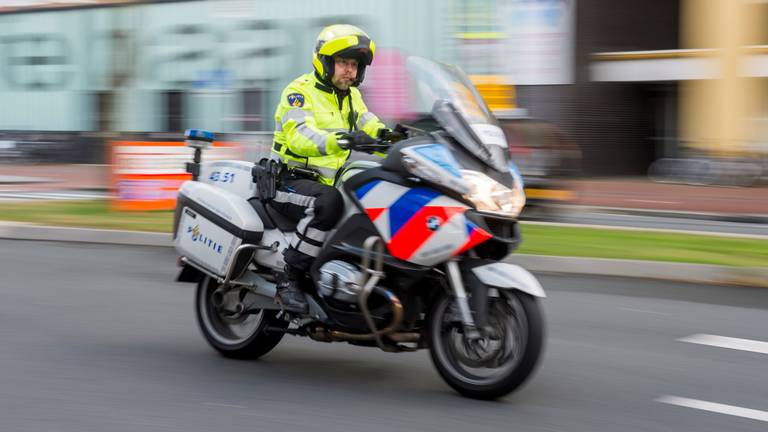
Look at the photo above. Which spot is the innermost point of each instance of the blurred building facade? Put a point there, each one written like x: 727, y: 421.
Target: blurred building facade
x: 165, y: 66
x: 618, y: 125
x: 687, y: 81
x: 625, y: 80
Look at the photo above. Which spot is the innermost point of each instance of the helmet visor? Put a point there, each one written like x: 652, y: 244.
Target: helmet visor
x: 357, y: 47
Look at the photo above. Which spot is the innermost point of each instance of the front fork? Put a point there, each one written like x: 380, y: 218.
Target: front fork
x: 472, y: 326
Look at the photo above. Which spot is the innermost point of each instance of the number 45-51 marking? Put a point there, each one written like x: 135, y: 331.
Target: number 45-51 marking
x: 223, y: 177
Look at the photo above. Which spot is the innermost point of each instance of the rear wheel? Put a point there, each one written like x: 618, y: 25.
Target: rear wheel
x: 502, y: 359
x: 236, y: 334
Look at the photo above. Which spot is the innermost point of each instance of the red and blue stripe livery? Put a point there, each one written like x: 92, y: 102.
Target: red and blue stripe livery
x: 419, y: 224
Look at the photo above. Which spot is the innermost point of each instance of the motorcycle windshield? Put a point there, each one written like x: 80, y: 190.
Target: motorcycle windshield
x: 447, y: 94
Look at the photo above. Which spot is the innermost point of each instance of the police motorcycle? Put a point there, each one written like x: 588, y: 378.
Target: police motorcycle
x: 415, y: 262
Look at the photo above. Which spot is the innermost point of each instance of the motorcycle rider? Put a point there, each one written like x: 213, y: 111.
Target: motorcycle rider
x: 316, y: 111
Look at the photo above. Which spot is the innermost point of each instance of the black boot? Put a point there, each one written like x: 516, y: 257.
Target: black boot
x: 289, y: 295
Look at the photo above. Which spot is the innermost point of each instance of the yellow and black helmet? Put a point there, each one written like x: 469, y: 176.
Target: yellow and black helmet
x: 346, y: 41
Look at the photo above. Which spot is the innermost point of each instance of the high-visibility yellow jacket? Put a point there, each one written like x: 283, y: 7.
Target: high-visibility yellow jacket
x: 307, y: 118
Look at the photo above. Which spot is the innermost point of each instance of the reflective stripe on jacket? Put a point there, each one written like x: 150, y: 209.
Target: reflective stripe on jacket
x: 308, y: 115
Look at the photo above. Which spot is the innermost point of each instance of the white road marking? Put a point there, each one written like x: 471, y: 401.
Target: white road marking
x: 715, y: 407
x: 727, y: 342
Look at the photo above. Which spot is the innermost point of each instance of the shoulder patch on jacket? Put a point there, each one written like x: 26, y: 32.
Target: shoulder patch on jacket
x: 296, y: 100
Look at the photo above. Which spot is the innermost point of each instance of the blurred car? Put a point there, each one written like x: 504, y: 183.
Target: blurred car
x: 546, y: 160
x: 9, y: 152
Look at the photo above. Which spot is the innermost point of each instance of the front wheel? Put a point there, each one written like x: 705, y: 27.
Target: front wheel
x: 497, y: 363
x: 240, y: 335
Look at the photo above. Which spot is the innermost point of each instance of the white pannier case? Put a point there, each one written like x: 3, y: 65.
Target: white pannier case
x: 209, y: 225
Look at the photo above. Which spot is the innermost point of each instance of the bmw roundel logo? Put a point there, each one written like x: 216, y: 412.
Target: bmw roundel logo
x: 433, y: 223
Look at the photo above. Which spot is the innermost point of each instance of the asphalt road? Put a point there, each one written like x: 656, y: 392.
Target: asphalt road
x: 99, y: 338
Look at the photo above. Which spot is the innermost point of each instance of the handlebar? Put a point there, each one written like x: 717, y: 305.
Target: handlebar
x: 379, y: 146
x: 384, y: 140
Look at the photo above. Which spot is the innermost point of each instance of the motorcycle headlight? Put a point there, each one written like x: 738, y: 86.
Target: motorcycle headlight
x: 434, y: 163
x: 490, y: 196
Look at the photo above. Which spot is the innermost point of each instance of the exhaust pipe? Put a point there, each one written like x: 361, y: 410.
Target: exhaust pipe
x: 375, y: 275
x: 321, y: 334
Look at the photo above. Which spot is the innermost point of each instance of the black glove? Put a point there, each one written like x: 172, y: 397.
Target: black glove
x: 390, y: 135
x: 352, y: 140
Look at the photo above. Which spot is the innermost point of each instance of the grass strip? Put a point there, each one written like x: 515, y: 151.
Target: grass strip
x: 537, y: 239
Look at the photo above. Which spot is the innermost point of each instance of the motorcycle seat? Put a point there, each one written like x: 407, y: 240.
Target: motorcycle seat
x: 271, y: 218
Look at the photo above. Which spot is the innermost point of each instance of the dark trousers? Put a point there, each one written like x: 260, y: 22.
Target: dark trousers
x: 316, y: 208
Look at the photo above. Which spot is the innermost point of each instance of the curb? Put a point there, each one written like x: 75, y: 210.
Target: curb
x: 718, y: 217
x: 22, y: 231
x: 669, y: 271
x: 647, y: 229
x: 680, y: 272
